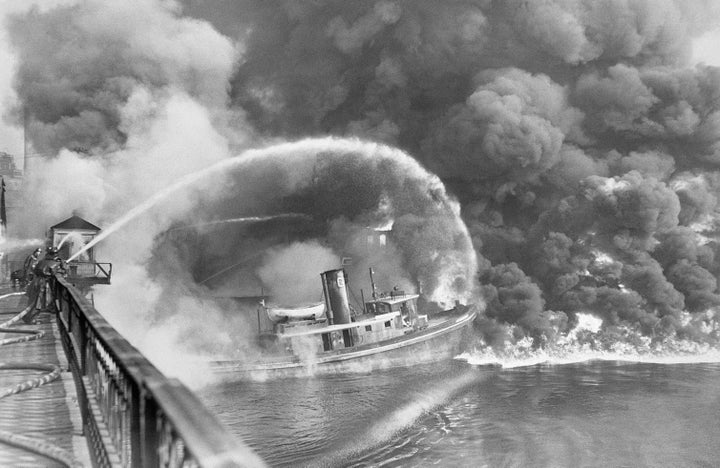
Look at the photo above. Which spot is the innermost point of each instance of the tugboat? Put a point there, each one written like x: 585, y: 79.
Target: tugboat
x: 331, y: 336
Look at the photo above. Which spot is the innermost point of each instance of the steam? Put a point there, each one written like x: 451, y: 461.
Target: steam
x: 576, y: 147
x: 11, y: 245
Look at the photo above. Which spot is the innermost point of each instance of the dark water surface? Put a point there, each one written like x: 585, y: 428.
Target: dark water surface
x: 594, y: 414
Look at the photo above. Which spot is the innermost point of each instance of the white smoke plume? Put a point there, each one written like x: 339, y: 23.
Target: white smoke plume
x: 139, y: 97
x: 292, y: 272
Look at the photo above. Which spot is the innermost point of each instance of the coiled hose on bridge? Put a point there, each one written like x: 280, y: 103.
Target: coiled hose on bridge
x: 53, y: 373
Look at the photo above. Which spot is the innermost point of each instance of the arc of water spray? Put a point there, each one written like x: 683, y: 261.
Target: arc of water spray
x: 62, y: 241
x: 241, y: 262
x: 308, y: 145
x: 246, y: 219
x: 403, y: 417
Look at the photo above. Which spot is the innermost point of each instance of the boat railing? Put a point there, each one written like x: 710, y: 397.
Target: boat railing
x: 132, y: 414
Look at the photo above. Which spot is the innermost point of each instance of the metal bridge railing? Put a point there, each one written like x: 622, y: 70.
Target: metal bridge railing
x: 132, y: 414
x: 94, y: 269
x: 88, y: 273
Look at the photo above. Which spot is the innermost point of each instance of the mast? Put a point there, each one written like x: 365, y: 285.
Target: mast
x: 372, y: 284
x: 24, y: 140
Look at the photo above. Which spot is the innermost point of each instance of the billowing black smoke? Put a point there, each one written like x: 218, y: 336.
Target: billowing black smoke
x: 80, y: 65
x: 582, y: 145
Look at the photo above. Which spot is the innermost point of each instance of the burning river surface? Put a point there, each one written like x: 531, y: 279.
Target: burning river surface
x: 600, y: 413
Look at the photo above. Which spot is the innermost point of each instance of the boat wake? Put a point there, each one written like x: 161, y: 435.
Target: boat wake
x: 589, y: 342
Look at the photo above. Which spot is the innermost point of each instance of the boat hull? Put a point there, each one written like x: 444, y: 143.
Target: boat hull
x: 438, y: 342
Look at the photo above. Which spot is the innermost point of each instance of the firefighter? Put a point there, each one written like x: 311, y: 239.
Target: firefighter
x: 39, y: 291
x: 29, y: 266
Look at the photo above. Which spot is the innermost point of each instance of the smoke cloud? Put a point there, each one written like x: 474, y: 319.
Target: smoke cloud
x: 286, y: 282
x: 580, y: 141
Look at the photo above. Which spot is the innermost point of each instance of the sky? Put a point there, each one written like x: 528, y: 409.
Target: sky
x: 705, y: 48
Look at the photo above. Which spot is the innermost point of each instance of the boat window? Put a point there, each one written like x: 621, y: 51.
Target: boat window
x: 347, y: 338
x: 368, y: 327
x: 378, y: 308
x: 327, y: 344
x: 387, y: 324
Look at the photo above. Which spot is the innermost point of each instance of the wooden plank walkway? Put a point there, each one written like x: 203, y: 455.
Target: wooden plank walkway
x: 48, y: 413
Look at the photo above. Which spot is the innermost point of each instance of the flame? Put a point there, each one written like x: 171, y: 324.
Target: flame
x: 587, y: 341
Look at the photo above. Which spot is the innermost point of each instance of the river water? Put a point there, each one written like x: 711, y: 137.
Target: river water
x: 593, y: 414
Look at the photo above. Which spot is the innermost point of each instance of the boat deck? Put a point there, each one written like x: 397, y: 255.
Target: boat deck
x: 48, y: 416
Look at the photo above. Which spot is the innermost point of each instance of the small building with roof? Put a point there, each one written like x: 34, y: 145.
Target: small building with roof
x: 71, y: 235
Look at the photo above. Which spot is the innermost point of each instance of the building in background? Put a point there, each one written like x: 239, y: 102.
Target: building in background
x: 8, y: 169
x: 13, y: 179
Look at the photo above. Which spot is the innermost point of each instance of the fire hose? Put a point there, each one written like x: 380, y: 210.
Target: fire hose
x: 53, y: 373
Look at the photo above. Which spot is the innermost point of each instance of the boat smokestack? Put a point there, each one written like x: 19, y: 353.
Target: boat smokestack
x: 335, y: 289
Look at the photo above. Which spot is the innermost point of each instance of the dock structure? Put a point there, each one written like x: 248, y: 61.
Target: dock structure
x: 81, y: 395
x: 46, y: 419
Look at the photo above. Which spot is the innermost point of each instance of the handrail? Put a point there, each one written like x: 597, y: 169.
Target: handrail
x: 107, y: 272
x: 132, y: 414
x: 90, y: 269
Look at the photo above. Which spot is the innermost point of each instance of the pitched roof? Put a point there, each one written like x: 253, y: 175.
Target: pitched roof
x: 75, y: 222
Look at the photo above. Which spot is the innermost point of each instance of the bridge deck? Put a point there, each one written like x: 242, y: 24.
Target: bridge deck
x: 48, y: 413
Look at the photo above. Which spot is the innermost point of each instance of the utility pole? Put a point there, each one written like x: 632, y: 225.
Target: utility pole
x: 24, y: 140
